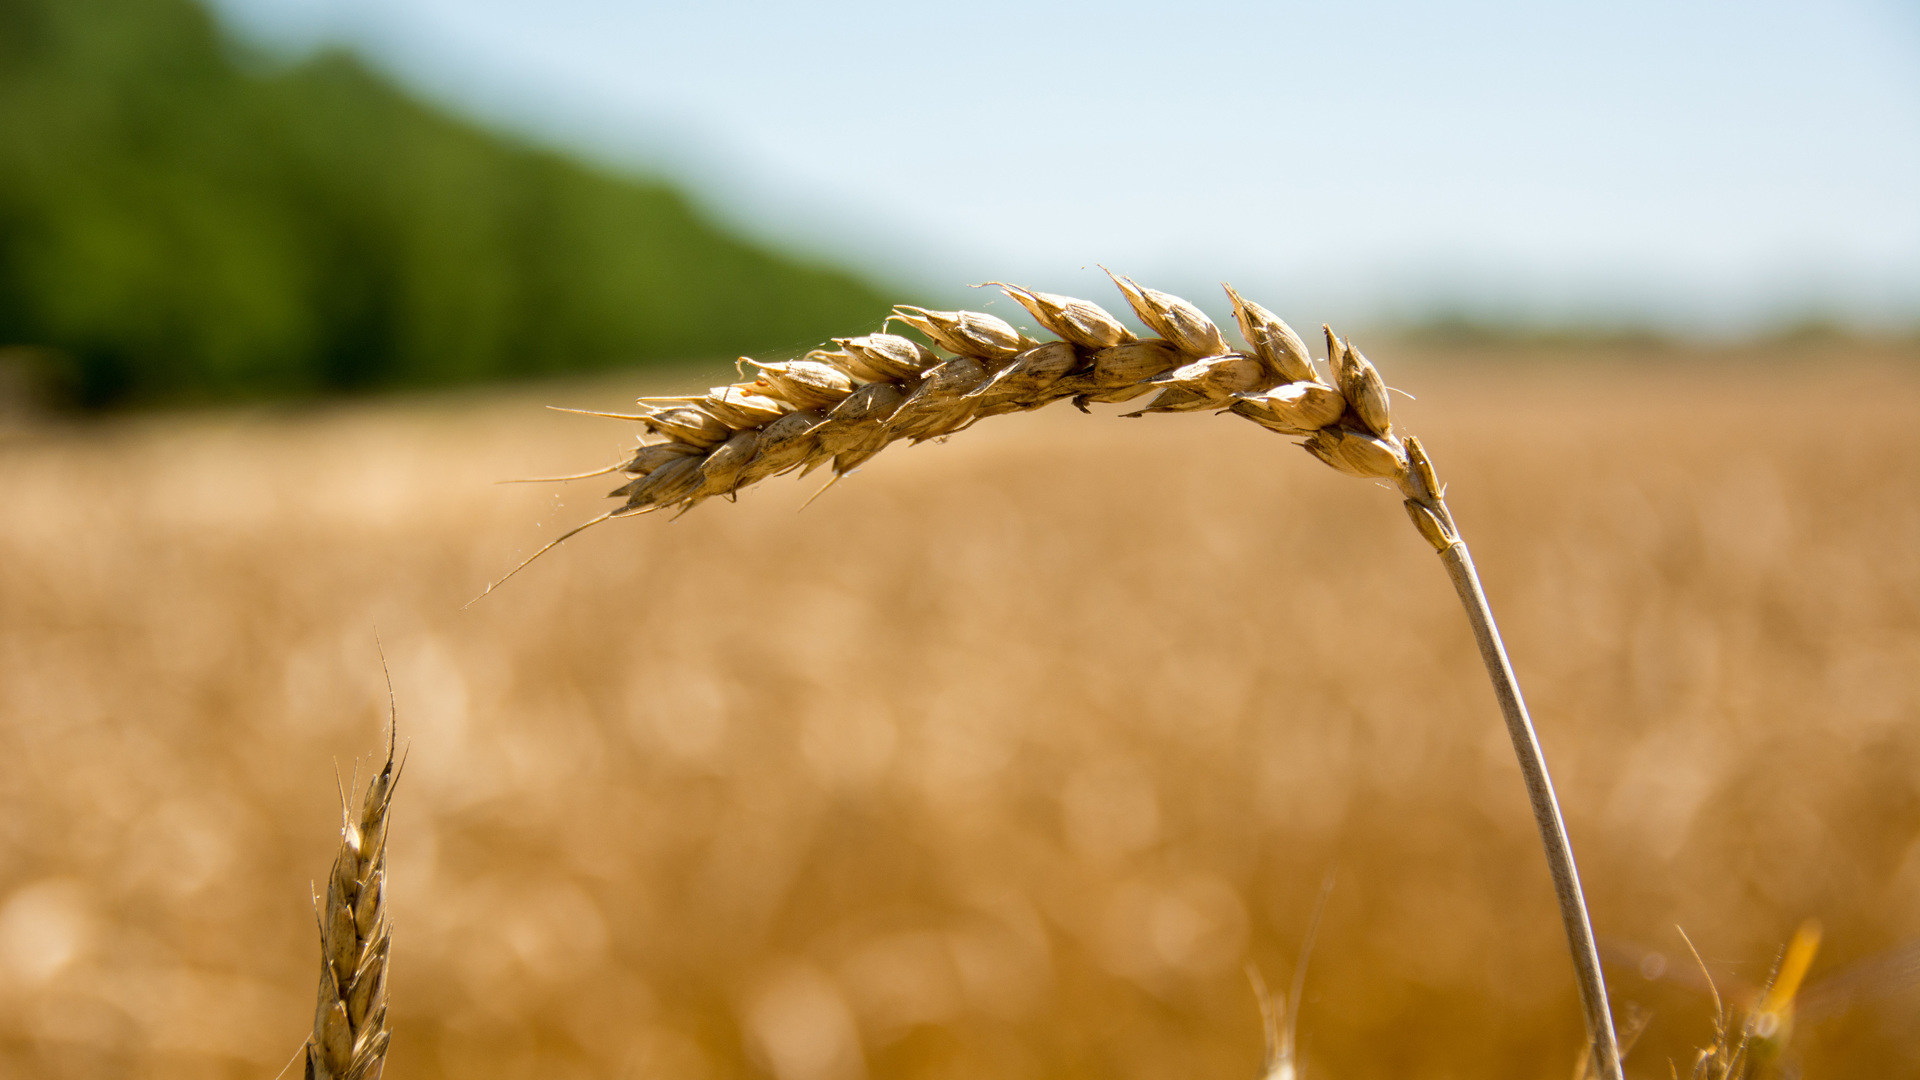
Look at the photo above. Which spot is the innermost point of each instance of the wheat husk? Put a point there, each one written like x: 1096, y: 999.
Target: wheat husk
x: 1299, y: 408
x: 804, y: 384
x: 885, y: 357
x: 671, y: 483
x: 1212, y: 383
x: 1077, y: 322
x: 1181, y: 324
x: 783, y: 446
x: 720, y: 470
x: 968, y: 333
x: 855, y: 430
x: 939, y: 405
x: 1272, y: 340
x: 1362, y: 386
x: 1024, y: 384
x: 689, y: 424
x: 1358, y: 453
x: 652, y: 456
x: 739, y: 409
x: 1121, y: 373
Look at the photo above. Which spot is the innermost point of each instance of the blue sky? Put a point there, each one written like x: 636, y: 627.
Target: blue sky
x: 1712, y: 166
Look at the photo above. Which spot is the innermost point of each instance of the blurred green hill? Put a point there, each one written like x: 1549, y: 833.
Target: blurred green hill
x: 176, y: 224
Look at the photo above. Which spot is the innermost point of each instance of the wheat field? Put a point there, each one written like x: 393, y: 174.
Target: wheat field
x: 1002, y: 759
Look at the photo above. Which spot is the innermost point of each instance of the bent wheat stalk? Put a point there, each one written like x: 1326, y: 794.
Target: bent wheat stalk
x: 349, y: 1040
x: 839, y: 407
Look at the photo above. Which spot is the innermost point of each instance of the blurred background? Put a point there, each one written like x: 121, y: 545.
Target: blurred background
x: 290, y: 197
x: 1008, y: 755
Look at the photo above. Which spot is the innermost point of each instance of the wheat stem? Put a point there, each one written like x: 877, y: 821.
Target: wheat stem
x: 1426, y: 504
x: 1546, y: 808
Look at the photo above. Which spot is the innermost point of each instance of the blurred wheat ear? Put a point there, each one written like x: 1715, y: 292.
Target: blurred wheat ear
x: 349, y: 1040
x: 841, y: 406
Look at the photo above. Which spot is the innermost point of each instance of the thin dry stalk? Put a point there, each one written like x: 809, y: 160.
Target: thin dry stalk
x: 1281, y: 1021
x: 1546, y: 808
x: 349, y: 1040
x: 1276, y: 1018
x: 839, y: 407
x: 1770, y: 1022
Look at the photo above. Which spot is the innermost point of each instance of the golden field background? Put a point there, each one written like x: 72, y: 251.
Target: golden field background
x: 997, y: 761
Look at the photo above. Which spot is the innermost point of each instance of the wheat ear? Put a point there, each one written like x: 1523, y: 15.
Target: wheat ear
x: 841, y: 406
x: 349, y: 1040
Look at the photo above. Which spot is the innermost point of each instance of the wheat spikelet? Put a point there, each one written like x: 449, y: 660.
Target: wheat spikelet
x: 349, y: 1040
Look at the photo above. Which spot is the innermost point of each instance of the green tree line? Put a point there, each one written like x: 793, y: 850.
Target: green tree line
x: 177, y: 225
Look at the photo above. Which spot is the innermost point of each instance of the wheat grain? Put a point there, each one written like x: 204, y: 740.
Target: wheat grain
x: 846, y: 405
x: 349, y: 1040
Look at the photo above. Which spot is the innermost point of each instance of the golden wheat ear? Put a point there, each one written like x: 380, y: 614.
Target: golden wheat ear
x: 842, y: 406
x: 349, y: 1040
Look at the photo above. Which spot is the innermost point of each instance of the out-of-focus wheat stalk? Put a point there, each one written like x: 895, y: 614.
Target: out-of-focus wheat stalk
x: 1770, y: 1022
x: 1282, y: 1023
x: 349, y: 1040
x: 839, y: 407
x: 1753, y: 1038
